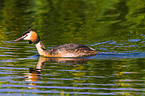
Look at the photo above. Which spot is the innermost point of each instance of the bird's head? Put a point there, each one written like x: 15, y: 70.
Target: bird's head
x: 31, y: 36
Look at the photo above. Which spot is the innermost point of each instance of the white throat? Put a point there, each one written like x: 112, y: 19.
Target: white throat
x: 40, y: 48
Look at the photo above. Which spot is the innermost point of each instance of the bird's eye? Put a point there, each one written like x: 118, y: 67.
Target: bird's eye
x: 26, y: 35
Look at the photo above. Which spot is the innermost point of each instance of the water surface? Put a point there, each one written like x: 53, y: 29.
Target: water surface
x: 114, y: 28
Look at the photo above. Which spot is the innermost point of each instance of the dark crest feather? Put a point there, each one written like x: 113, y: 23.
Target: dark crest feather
x: 27, y: 31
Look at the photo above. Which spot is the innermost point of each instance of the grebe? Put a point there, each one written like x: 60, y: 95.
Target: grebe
x: 66, y: 50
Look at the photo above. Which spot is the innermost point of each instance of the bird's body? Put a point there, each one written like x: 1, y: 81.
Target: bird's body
x: 65, y: 50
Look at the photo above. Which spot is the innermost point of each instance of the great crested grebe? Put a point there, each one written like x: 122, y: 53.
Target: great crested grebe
x: 66, y: 50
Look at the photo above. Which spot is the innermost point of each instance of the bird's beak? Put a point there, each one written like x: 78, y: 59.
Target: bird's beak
x: 20, y: 38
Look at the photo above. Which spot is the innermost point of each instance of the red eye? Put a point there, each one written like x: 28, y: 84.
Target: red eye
x: 26, y: 35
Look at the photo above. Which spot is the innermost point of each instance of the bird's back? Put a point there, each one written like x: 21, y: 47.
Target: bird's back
x: 72, y: 50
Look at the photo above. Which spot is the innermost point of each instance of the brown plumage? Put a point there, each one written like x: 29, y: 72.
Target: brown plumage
x: 66, y: 50
x: 72, y: 50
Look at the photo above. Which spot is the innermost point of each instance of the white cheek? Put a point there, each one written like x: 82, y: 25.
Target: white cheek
x: 28, y: 37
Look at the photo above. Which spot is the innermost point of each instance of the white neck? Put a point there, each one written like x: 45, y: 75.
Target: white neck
x: 40, y: 48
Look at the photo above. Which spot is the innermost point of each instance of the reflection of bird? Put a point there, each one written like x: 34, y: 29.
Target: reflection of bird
x: 66, y: 50
x: 35, y: 73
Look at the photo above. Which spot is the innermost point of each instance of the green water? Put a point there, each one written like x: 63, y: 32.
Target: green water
x: 115, y: 28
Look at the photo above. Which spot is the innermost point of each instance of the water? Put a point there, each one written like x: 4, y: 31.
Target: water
x: 115, y: 28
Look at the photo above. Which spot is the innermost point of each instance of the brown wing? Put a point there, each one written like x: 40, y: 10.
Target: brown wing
x: 73, y: 48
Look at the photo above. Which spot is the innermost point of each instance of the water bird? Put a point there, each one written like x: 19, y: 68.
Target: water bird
x: 65, y: 50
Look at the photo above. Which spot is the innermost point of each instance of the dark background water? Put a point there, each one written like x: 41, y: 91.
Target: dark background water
x: 115, y: 28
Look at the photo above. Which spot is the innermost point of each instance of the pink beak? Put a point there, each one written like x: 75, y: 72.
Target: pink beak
x: 19, y: 38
